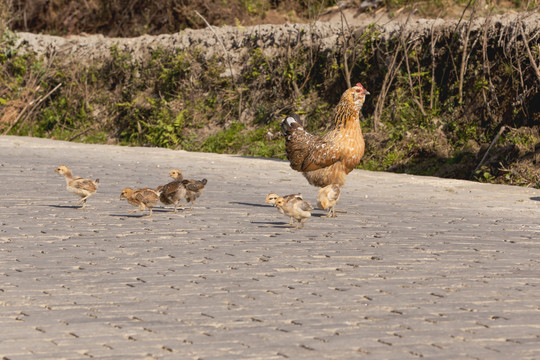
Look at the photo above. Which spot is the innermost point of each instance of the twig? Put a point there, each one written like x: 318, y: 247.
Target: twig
x: 384, y: 90
x: 406, y: 55
x: 80, y: 133
x: 465, y: 57
x: 347, y: 72
x: 531, y: 58
x: 388, y: 79
x: 293, y: 76
x: 227, y: 55
x: 501, y: 130
x: 433, y: 65
x: 35, y: 105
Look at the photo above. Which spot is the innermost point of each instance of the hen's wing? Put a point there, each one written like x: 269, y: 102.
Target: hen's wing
x: 305, y: 151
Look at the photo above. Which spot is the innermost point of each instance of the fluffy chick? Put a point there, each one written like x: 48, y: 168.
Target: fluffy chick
x: 77, y: 185
x: 296, y: 208
x: 271, y: 199
x: 144, y: 198
x: 173, y: 192
x: 327, y: 199
x: 194, y: 189
x: 176, y: 174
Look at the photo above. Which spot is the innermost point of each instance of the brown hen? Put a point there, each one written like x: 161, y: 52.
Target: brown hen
x: 327, y: 159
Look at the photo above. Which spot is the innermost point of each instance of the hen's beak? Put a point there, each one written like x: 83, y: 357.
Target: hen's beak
x: 367, y: 93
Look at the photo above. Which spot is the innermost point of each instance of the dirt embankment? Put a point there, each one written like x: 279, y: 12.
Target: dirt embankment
x: 233, y: 41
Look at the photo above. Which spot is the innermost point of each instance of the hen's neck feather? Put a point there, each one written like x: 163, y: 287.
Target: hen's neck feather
x: 347, y: 113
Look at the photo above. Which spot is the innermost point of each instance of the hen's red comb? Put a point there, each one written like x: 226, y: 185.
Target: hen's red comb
x: 358, y: 84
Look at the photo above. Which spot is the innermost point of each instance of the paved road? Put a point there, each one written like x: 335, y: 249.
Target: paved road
x: 417, y: 267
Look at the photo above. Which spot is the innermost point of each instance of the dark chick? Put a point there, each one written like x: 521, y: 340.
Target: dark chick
x: 174, y: 192
x: 194, y: 189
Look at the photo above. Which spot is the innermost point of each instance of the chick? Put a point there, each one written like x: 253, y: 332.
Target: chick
x: 327, y: 199
x: 176, y: 174
x: 296, y: 208
x: 271, y: 199
x: 173, y: 192
x: 77, y: 185
x: 194, y: 189
x: 144, y: 198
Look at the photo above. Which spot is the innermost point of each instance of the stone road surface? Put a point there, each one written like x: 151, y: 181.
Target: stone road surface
x: 417, y: 267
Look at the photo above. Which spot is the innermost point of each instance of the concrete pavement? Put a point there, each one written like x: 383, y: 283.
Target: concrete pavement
x: 417, y: 267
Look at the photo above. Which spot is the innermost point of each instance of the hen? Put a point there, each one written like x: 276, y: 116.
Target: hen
x: 327, y: 199
x: 144, y: 198
x: 78, y: 185
x: 327, y: 159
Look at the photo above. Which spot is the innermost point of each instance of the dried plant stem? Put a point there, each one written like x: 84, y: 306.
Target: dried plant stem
x: 409, y: 77
x: 493, y: 142
x: 229, y: 62
x: 531, y: 57
x: 34, y: 105
x: 433, y: 66
x: 486, y: 65
x: 227, y: 55
x: 465, y: 54
x: 389, y: 76
x: 346, y: 70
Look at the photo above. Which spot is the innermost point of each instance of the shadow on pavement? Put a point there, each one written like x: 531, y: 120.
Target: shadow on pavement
x: 66, y: 206
x: 250, y: 204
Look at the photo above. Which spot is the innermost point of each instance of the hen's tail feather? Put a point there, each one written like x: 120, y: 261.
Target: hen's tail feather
x: 290, y: 123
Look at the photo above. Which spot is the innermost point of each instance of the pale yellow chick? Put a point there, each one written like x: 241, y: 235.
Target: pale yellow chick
x: 77, y: 185
x: 327, y: 199
x: 271, y: 199
x: 296, y: 208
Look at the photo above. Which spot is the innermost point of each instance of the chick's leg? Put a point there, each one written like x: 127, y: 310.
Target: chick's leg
x: 83, y: 201
x: 332, y: 212
x: 141, y: 208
